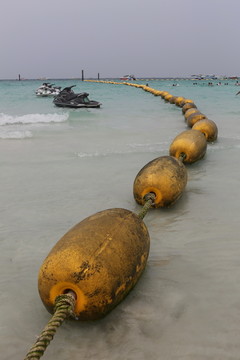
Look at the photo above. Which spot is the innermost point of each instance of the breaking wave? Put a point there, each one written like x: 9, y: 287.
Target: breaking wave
x: 15, y: 134
x: 20, y: 126
x: 6, y: 119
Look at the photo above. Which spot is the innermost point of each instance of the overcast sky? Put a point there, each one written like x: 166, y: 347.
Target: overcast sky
x: 160, y: 38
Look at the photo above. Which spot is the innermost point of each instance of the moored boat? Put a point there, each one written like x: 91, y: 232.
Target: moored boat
x: 68, y: 98
x: 47, y: 89
x: 128, y: 77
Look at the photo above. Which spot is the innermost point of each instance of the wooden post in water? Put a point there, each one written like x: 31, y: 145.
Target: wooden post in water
x: 82, y: 75
x: 19, y: 77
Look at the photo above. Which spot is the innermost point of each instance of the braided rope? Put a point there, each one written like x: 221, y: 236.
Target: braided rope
x: 64, y: 305
x: 150, y: 197
x: 182, y: 157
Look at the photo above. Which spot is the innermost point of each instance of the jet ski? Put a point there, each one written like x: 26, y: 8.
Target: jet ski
x: 68, y: 98
x: 47, y: 89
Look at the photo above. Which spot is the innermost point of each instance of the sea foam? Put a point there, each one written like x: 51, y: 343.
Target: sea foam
x: 15, y: 134
x: 6, y: 119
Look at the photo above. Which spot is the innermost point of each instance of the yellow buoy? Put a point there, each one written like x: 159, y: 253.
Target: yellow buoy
x: 179, y: 101
x: 157, y: 93
x: 167, y: 97
x: 193, y: 118
x: 165, y: 176
x: 188, y: 106
x: 100, y: 260
x: 146, y: 88
x: 190, y: 112
x: 172, y: 100
x: 190, y: 143
x: 208, y: 128
x: 164, y: 93
x: 185, y: 101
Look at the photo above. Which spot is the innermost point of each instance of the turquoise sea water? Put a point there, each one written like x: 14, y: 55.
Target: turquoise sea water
x: 59, y: 166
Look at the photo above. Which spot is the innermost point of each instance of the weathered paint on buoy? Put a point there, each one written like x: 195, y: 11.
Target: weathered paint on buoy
x: 193, y: 118
x: 165, y: 176
x: 172, y: 100
x: 164, y: 93
x: 185, y: 101
x: 100, y: 259
x: 208, y: 128
x: 190, y: 112
x: 188, y: 106
x: 179, y: 101
x: 157, y: 93
x: 146, y: 88
x: 191, y: 143
x: 168, y: 97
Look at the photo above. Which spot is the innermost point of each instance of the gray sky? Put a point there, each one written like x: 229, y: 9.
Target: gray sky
x: 57, y: 38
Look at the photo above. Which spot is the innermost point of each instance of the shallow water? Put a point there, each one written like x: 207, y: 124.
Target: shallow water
x: 59, y: 166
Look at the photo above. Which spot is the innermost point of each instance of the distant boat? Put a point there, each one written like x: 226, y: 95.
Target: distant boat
x: 47, y: 89
x: 204, y: 77
x: 128, y: 77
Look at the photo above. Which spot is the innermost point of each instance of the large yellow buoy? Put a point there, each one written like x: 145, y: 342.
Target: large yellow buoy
x: 146, y: 88
x: 165, y: 176
x: 157, y: 93
x: 164, y: 93
x: 179, y: 100
x: 168, y: 97
x: 193, y: 118
x: 100, y: 260
x: 172, y: 100
x: 190, y: 112
x: 187, y: 106
x: 191, y: 144
x: 208, y: 128
x: 185, y: 101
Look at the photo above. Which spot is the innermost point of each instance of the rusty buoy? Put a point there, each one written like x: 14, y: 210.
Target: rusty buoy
x: 172, y: 100
x: 191, y: 144
x: 185, y: 101
x: 100, y: 260
x: 165, y: 176
x: 208, y: 128
x: 168, y: 97
x: 188, y: 106
x: 179, y: 100
x: 190, y: 112
x: 193, y: 118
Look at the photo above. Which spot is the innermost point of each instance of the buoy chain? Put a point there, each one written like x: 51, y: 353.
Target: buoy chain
x: 65, y: 303
x: 150, y: 198
x: 64, y: 306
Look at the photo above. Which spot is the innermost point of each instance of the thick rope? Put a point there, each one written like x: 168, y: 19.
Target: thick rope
x: 64, y: 306
x: 182, y: 157
x: 150, y: 197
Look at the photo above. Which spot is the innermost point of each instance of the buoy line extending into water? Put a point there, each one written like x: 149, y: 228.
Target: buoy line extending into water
x: 97, y: 262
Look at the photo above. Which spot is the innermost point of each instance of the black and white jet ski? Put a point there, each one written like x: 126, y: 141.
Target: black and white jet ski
x: 68, y: 98
x: 47, y: 89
